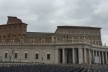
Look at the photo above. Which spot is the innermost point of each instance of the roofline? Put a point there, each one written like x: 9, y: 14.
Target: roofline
x: 13, y: 24
x: 79, y: 27
x: 41, y: 32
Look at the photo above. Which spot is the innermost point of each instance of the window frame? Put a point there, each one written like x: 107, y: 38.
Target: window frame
x: 48, y: 56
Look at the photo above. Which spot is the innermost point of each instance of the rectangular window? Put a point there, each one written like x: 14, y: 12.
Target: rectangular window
x: 15, y: 55
x: 37, y: 56
x: 48, y: 56
x: 6, y: 54
x: 26, y: 55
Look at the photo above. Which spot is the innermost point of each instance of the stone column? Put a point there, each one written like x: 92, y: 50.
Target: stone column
x: 103, y: 57
x: 106, y: 57
x: 99, y: 58
x: 93, y: 56
x: 73, y: 55
x: 80, y: 55
x: 63, y: 55
x: 89, y: 56
x: 85, y: 56
x: 96, y: 56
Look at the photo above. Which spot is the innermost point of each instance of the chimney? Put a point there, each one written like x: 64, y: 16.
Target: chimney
x: 13, y: 20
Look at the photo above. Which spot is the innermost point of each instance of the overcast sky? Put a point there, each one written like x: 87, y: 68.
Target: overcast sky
x: 45, y: 15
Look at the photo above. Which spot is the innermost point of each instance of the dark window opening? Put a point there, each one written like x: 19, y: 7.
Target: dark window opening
x: 23, y: 35
x: 4, y: 36
x: 6, y: 54
x: 19, y: 35
x: 15, y: 55
x: 48, y: 56
x: 14, y: 35
x: 58, y: 38
x: 37, y: 56
x: 8, y: 35
x: 67, y: 35
x: 25, y: 55
x: 64, y: 36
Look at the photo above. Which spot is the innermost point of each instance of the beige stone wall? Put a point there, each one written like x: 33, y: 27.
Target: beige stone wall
x: 81, y: 53
x: 31, y: 51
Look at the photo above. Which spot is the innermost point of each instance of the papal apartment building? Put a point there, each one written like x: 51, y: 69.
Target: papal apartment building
x: 67, y: 45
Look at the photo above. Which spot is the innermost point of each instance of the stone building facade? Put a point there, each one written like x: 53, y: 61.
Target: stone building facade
x: 68, y: 45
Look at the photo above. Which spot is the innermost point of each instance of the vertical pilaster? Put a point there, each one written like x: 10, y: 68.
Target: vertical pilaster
x: 52, y: 39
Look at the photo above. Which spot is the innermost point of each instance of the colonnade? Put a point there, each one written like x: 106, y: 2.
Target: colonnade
x: 82, y: 56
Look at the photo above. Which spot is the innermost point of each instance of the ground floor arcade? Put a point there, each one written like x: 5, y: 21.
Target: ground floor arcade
x: 82, y: 56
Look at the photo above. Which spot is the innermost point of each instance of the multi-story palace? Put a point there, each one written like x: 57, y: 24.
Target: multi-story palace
x: 69, y: 44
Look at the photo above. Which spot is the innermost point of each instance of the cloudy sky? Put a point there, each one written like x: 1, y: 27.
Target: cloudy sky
x: 45, y: 15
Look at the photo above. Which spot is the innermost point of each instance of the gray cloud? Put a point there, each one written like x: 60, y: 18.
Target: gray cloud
x: 45, y: 15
